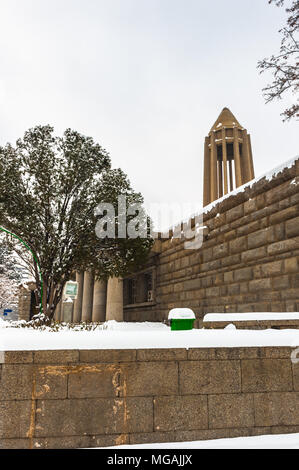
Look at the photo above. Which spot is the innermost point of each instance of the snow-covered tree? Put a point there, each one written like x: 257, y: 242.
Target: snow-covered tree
x: 9, y: 264
x: 8, y: 292
x: 50, y: 187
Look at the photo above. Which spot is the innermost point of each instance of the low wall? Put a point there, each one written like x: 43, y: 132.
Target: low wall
x: 72, y: 399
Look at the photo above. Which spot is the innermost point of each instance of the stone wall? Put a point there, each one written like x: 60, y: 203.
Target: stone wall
x: 72, y: 399
x: 249, y: 260
x: 24, y: 305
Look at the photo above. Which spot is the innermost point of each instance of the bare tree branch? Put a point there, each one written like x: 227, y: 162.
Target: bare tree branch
x: 285, y: 65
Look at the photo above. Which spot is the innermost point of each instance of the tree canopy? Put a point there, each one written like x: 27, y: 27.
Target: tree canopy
x: 50, y: 188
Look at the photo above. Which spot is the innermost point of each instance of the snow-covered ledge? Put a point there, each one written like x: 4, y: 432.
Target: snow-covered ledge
x: 114, y: 335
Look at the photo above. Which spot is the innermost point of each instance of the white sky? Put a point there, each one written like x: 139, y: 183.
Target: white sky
x: 146, y: 79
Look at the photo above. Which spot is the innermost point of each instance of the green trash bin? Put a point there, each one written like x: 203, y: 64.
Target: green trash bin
x: 181, y: 319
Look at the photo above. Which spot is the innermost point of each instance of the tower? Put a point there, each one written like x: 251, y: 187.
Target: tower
x: 228, y: 160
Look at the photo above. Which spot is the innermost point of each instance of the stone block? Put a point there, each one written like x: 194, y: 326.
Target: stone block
x: 270, y: 269
x: 180, y: 413
x: 162, y: 354
x: 257, y: 253
x: 265, y: 375
x: 260, y: 238
x: 21, y: 382
x: 282, y: 246
x: 279, y: 232
x: 260, y: 284
x: 95, y: 381
x: 107, y: 355
x: 204, y: 377
x: 229, y: 277
x: 291, y: 265
x: 220, y: 250
x: 245, y: 308
x: 16, y: 357
x: 15, y: 418
x: 278, y: 193
x: 233, y: 289
x: 150, y: 378
x: 192, y: 284
x: 59, y: 356
x: 152, y: 437
x: 231, y: 260
x: 16, y: 382
x: 250, y: 206
x: 76, y: 442
x: 292, y: 226
x: 213, y: 292
x: 235, y: 213
x: 285, y: 214
x: 276, y: 409
x: 281, y: 282
x: 231, y: 411
x: 290, y: 294
x: 93, y: 416
x: 10, y: 444
x: 240, y: 244
x: 295, y: 367
x: 207, y: 254
x: 244, y: 274
x: 248, y: 228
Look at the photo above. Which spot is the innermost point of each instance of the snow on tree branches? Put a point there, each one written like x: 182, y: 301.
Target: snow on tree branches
x: 50, y: 187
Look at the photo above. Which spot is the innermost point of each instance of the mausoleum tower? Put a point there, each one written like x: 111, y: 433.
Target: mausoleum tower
x: 228, y: 160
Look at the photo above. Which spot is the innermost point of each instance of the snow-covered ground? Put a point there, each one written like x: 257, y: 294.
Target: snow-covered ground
x: 279, y: 441
x: 251, y: 316
x: 113, y: 335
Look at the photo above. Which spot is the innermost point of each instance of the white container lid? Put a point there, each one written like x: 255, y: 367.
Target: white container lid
x: 181, y: 314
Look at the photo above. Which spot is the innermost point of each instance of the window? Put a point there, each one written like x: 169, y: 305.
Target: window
x: 139, y: 289
x: 132, y: 288
x: 148, y: 287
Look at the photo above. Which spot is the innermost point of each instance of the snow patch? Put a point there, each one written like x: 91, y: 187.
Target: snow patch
x: 220, y: 317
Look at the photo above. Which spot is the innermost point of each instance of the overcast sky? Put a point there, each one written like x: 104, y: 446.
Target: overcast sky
x: 144, y: 78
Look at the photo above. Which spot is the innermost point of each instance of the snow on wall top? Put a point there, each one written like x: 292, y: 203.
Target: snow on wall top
x: 258, y: 316
x: 268, y: 176
x: 139, y: 336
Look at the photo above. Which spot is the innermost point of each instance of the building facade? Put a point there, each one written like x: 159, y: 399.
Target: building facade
x: 249, y: 257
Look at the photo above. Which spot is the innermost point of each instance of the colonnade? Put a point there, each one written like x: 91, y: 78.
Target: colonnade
x: 97, y: 301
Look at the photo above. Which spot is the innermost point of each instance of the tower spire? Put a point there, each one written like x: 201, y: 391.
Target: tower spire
x: 228, y: 160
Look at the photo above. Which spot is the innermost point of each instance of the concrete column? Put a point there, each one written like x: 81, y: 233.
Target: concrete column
x: 224, y: 156
x: 99, y: 301
x: 214, y: 188
x: 114, y: 310
x: 237, y: 158
x: 87, y: 301
x: 207, y: 175
x: 78, y: 302
x: 246, y: 169
x: 250, y: 158
x: 231, y: 178
x: 220, y: 178
x: 67, y: 312
x: 58, y: 311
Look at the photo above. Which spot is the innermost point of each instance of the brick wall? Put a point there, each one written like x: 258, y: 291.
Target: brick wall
x: 249, y: 260
x: 72, y: 399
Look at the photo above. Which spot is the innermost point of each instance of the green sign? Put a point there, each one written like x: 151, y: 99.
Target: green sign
x: 71, y: 289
